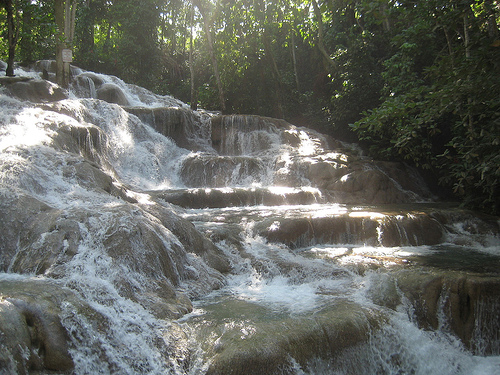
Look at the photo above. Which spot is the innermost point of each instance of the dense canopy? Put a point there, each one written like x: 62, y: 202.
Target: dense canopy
x: 413, y: 80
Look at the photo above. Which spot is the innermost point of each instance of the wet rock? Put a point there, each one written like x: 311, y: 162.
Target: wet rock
x: 192, y: 240
x: 220, y: 171
x: 302, y: 232
x: 237, y: 197
x: 111, y: 93
x: 367, y: 228
x: 48, y: 65
x: 369, y: 186
x: 303, y: 156
x: 97, y: 79
x: 33, y: 338
x: 464, y: 304
x: 410, y: 229
x: 226, y: 129
x: 37, y: 91
x: 48, y: 241
x: 4, y: 80
x: 42, y: 240
x: 273, y: 347
x: 15, y: 341
x: 324, y: 174
x: 175, y: 123
x: 15, y: 214
x: 85, y: 84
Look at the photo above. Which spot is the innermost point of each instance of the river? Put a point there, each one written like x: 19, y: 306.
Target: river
x: 140, y: 237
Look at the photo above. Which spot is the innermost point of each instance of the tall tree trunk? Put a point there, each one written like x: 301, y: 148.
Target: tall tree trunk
x: 321, y: 45
x: 12, y: 36
x: 450, y: 47
x: 264, y: 21
x: 294, y: 61
x: 466, y: 36
x: 215, y: 66
x: 86, y: 43
x: 385, y: 17
x: 64, y: 14
x: 60, y: 39
x: 276, y: 75
x: 492, y: 20
x: 468, y: 56
x: 194, y: 99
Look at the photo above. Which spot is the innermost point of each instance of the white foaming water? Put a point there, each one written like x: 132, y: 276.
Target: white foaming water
x: 400, y: 347
x: 143, y: 158
x: 465, y: 234
x: 302, y: 282
x: 113, y: 331
x: 128, y: 336
x: 115, y: 334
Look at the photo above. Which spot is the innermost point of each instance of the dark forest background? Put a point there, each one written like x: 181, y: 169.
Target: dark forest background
x: 417, y: 81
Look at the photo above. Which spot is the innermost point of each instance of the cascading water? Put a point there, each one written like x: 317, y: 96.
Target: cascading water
x: 140, y: 237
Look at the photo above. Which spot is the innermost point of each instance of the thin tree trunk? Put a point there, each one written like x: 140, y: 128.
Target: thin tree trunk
x: 215, y: 66
x: 276, y: 75
x: 450, y: 48
x: 321, y: 46
x: 385, y: 18
x: 466, y: 36
x: 64, y: 14
x: 60, y: 39
x: 12, y: 36
x: 69, y: 21
x: 194, y: 99
x: 468, y: 56
x: 294, y: 61
x: 493, y: 32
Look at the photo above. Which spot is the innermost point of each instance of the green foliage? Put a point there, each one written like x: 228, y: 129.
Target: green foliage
x: 91, y: 48
x: 417, y: 81
x: 445, y: 117
x: 38, y: 30
x: 4, y: 45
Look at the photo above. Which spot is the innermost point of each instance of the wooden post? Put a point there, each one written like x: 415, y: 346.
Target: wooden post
x: 65, y: 13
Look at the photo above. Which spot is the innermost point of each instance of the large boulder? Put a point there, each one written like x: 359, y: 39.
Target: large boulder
x: 112, y: 93
x: 280, y: 346
x: 35, y: 90
x: 149, y: 242
x: 362, y: 228
x: 465, y: 304
x: 32, y: 337
x: 179, y: 124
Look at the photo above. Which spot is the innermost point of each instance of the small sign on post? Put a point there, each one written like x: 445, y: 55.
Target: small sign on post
x: 67, y: 55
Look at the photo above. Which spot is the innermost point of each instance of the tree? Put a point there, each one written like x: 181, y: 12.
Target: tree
x: 321, y: 44
x: 137, y: 49
x: 193, y: 96
x: 11, y: 9
x: 441, y: 98
x: 90, y: 15
x: 64, y: 14
x: 207, y: 15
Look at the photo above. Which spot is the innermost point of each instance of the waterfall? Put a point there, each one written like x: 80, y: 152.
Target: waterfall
x: 140, y: 237
x: 92, y: 90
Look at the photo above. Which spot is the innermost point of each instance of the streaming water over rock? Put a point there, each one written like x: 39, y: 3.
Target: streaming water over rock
x: 140, y: 237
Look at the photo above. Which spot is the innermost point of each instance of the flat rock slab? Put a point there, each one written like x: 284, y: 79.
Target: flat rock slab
x: 252, y: 340
x: 4, y: 80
